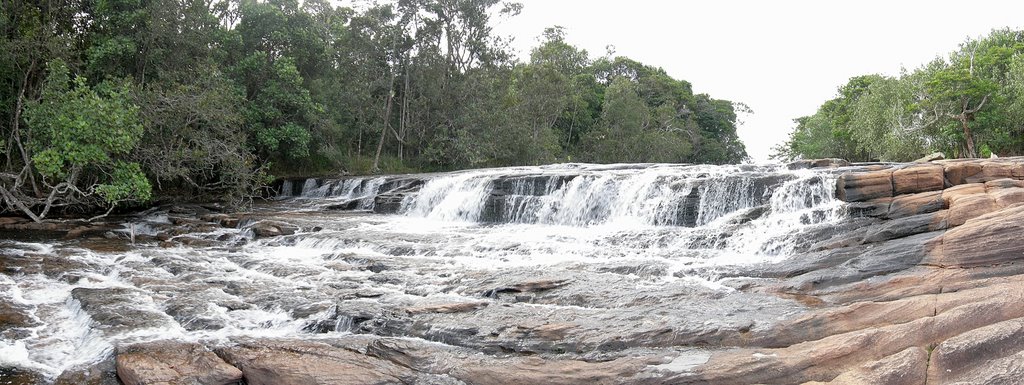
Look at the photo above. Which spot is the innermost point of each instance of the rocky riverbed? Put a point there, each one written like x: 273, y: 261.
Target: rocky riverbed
x: 659, y: 274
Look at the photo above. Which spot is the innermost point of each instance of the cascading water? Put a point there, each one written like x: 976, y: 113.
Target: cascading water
x: 676, y: 222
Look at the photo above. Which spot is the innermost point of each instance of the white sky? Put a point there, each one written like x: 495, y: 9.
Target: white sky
x: 782, y: 58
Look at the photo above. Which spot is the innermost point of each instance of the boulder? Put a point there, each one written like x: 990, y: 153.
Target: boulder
x: 817, y: 163
x: 863, y: 186
x: 267, y: 229
x: 986, y: 240
x: 173, y: 363
x: 916, y: 179
x: 931, y: 157
x: 957, y: 173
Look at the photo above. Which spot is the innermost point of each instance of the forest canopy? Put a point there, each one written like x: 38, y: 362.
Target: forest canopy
x: 967, y: 104
x: 107, y: 102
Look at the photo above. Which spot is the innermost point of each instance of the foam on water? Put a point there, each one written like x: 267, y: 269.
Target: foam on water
x: 691, y: 219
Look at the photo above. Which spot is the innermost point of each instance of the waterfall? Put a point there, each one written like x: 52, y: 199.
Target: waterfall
x: 690, y: 196
x: 428, y: 234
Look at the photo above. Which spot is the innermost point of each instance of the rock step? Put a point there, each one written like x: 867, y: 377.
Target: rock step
x: 886, y: 181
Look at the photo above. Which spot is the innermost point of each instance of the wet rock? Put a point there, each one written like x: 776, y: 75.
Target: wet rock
x: 173, y: 363
x: 266, y: 229
x: 881, y: 259
x: 119, y: 309
x: 527, y: 287
x: 875, y: 208
x: 14, y: 315
x: 344, y: 206
x: 50, y: 265
x: 905, y: 227
x: 18, y: 376
x: 231, y: 222
x: 447, y: 308
x: 917, y: 179
x: 864, y: 186
x: 103, y: 372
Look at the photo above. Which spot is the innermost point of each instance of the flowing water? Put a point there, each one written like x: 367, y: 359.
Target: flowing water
x: 399, y: 240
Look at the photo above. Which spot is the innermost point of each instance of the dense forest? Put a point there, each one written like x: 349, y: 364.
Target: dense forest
x: 969, y: 104
x: 107, y: 102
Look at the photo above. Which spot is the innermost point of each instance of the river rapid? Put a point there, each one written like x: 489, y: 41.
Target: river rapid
x: 630, y: 247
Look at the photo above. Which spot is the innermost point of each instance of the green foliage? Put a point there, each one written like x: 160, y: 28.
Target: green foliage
x: 127, y: 183
x: 965, y: 106
x: 79, y: 128
x: 195, y: 99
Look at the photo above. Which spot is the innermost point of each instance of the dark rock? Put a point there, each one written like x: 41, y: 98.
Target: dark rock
x: 104, y: 372
x: 905, y: 227
x: 447, y: 308
x: 117, y: 309
x: 13, y: 315
x: 18, y: 376
x: 267, y: 229
x: 864, y: 186
x: 527, y: 287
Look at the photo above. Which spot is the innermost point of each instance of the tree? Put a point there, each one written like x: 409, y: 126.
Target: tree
x: 78, y: 136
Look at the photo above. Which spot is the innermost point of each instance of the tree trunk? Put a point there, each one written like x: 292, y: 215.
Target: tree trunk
x: 383, y: 131
x: 968, y: 138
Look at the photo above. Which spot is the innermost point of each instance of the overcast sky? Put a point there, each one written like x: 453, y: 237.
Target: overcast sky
x: 782, y: 58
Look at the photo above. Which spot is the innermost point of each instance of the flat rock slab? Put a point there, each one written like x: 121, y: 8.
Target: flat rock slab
x: 174, y: 363
x: 310, y: 363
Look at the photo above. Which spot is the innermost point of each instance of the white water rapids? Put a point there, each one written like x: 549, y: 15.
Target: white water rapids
x: 689, y: 219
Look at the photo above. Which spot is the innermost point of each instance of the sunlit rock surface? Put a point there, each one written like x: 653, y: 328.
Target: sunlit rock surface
x: 817, y: 272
